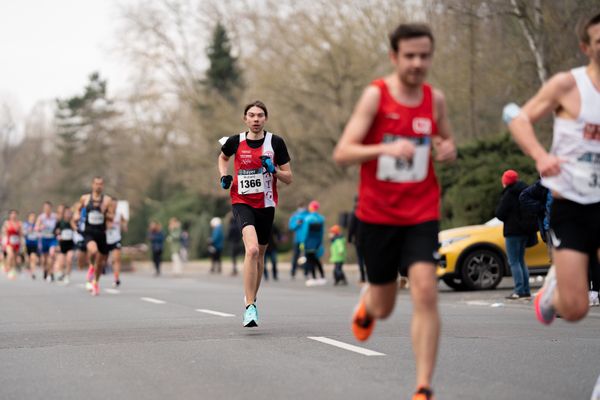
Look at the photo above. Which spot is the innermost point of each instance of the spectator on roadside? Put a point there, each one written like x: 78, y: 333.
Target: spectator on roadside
x: 215, y: 247
x: 516, y: 238
x: 311, y: 243
x: 234, y: 237
x: 174, y: 240
x: 337, y: 254
x: 271, y: 252
x: 185, y: 242
x: 294, y: 225
x: 352, y: 238
x: 157, y: 240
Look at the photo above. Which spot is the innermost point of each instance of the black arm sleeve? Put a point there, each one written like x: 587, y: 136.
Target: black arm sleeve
x: 281, y: 153
x: 231, y: 145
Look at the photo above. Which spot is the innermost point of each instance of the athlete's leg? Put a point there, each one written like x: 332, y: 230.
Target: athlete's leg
x: 69, y: 261
x: 571, y: 295
x: 251, y: 263
x: 116, y: 263
x: 59, y: 264
x: 426, y: 325
x: 33, y: 261
x: 11, y: 259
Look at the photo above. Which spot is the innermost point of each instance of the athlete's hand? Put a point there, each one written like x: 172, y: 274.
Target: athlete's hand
x: 548, y: 165
x: 445, y: 149
x: 226, y: 181
x: 401, y: 148
x: 267, y: 163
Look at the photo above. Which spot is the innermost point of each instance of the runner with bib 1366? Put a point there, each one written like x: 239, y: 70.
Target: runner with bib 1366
x: 260, y: 160
x: 571, y: 171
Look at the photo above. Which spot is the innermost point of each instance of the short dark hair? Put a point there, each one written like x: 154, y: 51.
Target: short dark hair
x: 97, y: 177
x: 256, y: 103
x: 583, y: 25
x: 48, y: 202
x: 409, y: 31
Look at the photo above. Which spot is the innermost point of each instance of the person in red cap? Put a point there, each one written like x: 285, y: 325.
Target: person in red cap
x: 515, y: 236
x: 311, y: 243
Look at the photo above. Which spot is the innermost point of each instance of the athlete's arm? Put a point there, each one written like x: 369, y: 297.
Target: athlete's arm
x: 223, y: 164
x: 444, y: 145
x: 543, y: 103
x: 110, y: 210
x: 350, y: 150
x: 284, y: 173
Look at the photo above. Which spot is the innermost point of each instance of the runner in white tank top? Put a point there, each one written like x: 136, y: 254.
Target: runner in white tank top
x: 572, y: 171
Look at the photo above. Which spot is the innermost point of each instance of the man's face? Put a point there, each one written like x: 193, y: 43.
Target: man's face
x: 592, y: 50
x: 97, y: 186
x: 413, y: 60
x: 13, y: 215
x: 47, y: 208
x: 255, y: 119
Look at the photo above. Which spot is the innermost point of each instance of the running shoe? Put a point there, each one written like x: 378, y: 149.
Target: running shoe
x: 423, y: 394
x: 12, y: 275
x: 362, y: 324
x: 594, y: 300
x: 544, y: 310
x: 66, y: 280
x: 95, y: 289
x: 88, y: 286
x: 117, y: 283
x: 250, y: 317
x: 90, y: 273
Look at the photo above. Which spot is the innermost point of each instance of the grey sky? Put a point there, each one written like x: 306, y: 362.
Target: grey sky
x: 48, y: 48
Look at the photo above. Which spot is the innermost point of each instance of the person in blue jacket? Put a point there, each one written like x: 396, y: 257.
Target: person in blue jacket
x: 294, y: 225
x: 311, y: 242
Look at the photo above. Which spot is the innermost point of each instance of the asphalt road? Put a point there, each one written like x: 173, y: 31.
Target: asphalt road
x: 148, y: 340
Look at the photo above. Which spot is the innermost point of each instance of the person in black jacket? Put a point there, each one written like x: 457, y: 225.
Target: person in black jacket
x: 508, y: 211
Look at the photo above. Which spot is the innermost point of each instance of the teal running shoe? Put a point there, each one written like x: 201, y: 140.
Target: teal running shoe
x: 250, y: 317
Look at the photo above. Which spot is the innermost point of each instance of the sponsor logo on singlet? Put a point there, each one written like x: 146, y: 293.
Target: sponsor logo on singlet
x: 591, y: 132
x: 422, y: 126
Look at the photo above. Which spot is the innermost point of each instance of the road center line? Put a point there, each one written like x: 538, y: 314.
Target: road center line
x: 112, y: 291
x: 218, y: 313
x: 151, y: 300
x: 346, y: 346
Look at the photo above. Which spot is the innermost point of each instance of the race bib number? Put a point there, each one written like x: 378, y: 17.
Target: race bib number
x: 586, y: 174
x: 95, y: 217
x: 32, y: 236
x: 66, y: 235
x: 14, y: 239
x: 250, y: 181
x: 397, y: 170
x: 112, y: 236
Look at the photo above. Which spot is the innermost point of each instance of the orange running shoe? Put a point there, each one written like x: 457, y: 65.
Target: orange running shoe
x: 362, y: 323
x: 423, y: 394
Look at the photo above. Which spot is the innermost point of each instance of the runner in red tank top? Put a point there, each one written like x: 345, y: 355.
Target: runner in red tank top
x: 13, y: 232
x: 391, y: 133
x: 260, y: 160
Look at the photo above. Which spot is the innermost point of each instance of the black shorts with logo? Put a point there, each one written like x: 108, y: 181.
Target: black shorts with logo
x: 96, y: 236
x: 391, y: 249
x: 260, y: 218
x: 575, y: 226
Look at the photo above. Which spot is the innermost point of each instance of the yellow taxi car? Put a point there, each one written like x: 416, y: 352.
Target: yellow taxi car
x: 474, y: 257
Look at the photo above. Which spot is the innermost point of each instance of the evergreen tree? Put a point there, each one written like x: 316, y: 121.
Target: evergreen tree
x: 83, y: 128
x: 223, y: 74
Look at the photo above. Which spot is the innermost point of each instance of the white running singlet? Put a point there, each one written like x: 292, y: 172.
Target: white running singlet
x: 579, y: 178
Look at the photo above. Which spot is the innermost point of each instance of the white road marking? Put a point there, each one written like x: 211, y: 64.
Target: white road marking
x: 478, y: 303
x: 346, y: 346
x: 112, y: 291
x: 218, y: 313
x: 151, y: 300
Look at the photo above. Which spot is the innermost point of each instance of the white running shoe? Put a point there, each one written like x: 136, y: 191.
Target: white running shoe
x: 594, y: 300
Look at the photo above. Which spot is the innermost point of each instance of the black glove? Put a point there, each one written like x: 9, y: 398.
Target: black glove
x: 267, y: 163
x: 226, y: 181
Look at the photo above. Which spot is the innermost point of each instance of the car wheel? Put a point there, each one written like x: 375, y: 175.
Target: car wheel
x: 454, y: 283
x: 481, y: 270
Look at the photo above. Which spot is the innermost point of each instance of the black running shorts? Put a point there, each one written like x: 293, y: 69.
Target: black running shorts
x: 66, y: 246
x: 260, y: 218
x: 575, y: 226
x: 389, y: 249
x: 99, y: 237
x: 114, y: 246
